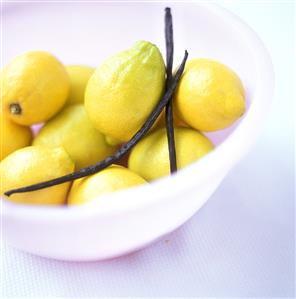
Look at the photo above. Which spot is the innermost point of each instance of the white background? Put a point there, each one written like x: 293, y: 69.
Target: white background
x: 240, y: 244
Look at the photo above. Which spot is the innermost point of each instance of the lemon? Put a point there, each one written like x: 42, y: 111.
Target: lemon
x: 12, y: 136
x: 79, y: 76
x: 72, y: 129
x: 35, y: 86
x: 210, y: 96
x: 150, y: 157
x: 111, y: 179
x: 34, y: 164
x: 124, y: 90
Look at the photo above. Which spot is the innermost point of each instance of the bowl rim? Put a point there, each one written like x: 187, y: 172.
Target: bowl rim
x: 234, y: 146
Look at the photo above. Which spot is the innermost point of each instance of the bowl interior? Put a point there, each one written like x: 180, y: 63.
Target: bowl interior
x: 87, y: 33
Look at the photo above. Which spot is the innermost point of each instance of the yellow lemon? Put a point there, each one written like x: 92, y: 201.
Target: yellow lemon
x: 210, y: 96
x: 111, y: 179
x: 124, y: 90
x: 35, y: 164
x: 12, y: 136
x: 79, y: 76
x: 72, y: 129
x: 150, y: 157
x: 35, y: 86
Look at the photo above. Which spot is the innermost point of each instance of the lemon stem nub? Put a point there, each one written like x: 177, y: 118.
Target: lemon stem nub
x: 15, y: 109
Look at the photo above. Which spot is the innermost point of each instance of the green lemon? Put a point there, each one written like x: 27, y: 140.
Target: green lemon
x: 124, y: 90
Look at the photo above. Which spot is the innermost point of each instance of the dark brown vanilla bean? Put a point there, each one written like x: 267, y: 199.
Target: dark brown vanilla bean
x: 122, y: 150
x: 169, y: 121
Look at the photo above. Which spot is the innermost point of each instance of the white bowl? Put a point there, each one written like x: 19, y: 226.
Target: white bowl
x: 125, y: 221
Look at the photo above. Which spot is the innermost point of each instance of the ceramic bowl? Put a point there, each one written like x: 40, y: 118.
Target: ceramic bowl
x: 87, y: 33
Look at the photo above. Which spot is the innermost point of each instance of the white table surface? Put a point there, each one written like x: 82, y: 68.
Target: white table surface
x: 240, y: 244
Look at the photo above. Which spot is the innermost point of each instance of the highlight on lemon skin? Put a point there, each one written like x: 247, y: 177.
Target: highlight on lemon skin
x: 210, y: 96
x: 12, y: 136
x: 150, y: 157
x: 72, y: 130
x: 79, y: 76
x: 111, y: 179
x: 124, y: 90
x: 34, y: 164
x: 35, y: 86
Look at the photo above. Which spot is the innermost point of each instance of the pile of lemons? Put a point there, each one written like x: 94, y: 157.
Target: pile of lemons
x: 87, y: 113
